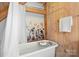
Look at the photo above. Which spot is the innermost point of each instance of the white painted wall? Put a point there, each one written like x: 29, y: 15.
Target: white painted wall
x: 2, y: 28
x: 35, y: 5
x: 2, y: 25
x: 2, y: 31
x: 34, y: 18
x: 31, y: 19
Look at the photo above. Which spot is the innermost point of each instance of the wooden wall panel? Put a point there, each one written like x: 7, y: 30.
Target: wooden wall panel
x: 45, y: 19
x: 34, y: 10
x: 68, y: 42
x: 3, y: 10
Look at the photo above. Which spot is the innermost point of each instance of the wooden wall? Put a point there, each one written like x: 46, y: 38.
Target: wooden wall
x: 68, y: 42
x: 3, y: 10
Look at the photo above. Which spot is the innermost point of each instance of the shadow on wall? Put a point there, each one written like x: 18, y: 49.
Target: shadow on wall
x: 78, y: 49
x: 2, y: 29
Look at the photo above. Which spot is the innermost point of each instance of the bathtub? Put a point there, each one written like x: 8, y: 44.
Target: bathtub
x: 34, y: 49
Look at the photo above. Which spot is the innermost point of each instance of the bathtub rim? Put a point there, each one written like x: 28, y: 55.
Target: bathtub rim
x: 34, y: 52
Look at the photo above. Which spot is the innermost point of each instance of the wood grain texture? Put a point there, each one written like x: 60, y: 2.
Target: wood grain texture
x: 22, y: 3
x: 45, y: 19
x: 34, y: 10
x: 3, y: 10
x: 68, y: 42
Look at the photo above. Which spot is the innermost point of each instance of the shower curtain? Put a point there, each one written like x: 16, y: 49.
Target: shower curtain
x: 14, y: 31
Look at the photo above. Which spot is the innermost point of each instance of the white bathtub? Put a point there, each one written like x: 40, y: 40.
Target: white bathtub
x: 33, y: 49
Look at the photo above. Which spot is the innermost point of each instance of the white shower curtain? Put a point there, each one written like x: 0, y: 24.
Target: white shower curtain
x: 14, y: 31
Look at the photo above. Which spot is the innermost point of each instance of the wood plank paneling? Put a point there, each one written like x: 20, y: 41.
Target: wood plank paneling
x: 68, y: 42
x: 22, y: 3
x: 3, y: 10
x: 3, y: 15
x: 45, y: 19
x: 34, y: 10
